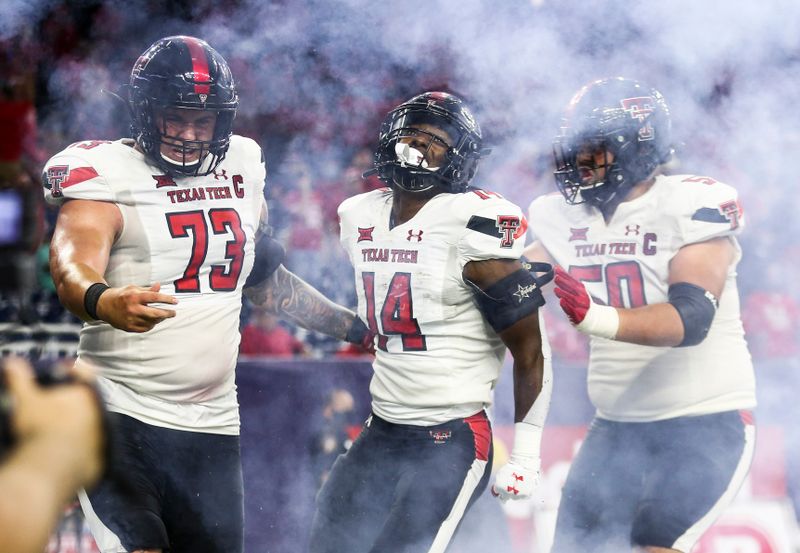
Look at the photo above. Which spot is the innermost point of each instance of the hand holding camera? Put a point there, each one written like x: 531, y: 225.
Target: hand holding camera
x: 54, y: 442
x: 58, y: 411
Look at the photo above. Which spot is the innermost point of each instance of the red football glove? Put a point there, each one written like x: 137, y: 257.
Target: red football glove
x: 585, y: 314
x: 575, y: 300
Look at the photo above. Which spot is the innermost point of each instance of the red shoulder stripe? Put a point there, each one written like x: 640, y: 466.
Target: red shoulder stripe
x: 78, y: 175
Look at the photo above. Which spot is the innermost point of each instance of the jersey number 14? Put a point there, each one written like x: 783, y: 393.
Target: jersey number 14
x: 397, y: 312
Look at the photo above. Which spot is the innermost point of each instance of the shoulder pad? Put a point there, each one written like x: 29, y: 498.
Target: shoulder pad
x: 245, y: 147
x: 707, y: 208
x: 359, y: 201
x: 493, y: 227
x: 72, y: 174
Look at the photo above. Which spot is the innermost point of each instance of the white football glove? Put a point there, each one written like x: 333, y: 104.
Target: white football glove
x: 515, y: 480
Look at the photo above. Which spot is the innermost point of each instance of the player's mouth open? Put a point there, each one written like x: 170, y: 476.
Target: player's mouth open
x: 180, y: 153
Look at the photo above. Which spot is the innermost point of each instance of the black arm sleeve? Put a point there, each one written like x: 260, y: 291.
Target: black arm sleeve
x: 269, y: 255
x: 696, y: 307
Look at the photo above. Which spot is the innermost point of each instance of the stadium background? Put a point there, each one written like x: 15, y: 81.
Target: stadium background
x: 315, y: 78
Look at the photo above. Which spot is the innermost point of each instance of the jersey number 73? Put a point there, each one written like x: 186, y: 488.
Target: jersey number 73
x: 223, y: 221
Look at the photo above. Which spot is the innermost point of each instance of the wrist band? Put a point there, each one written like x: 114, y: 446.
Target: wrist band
x: 91, y: 297
x: 357, y: 332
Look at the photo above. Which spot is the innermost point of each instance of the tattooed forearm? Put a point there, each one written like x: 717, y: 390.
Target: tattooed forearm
x: 291, y: 298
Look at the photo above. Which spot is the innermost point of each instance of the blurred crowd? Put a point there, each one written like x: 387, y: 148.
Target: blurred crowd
x: 315, y: 111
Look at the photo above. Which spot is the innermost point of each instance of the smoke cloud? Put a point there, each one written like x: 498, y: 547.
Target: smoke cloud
x: 317, y: 76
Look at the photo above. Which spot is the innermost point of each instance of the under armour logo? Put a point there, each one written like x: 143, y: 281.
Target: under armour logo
x: 512, y: 489
x: 221, y: 173
x: 517, y: 477
x: 164, y: 180
x: 411, y: 235
x: 632, y: 229
x: 578, y: 234
x: 56, y: 175
x: 365, y: 234
x: 440, y: 437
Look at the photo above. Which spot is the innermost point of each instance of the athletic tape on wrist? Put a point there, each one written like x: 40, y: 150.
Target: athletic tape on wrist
x: 600, y: 320
x: 528, y: 432
x: 527, y: 445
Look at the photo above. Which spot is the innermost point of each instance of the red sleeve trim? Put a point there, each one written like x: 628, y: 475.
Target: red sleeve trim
x: 79, y: 175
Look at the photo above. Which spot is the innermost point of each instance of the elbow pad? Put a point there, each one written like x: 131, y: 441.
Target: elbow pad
x: 513, y: 297
x: 269, y: 256
x: 696, y: 307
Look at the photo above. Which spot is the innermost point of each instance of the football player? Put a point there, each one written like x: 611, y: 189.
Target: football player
x: 156, y: 239
x: 647, y: 268
x: 440, y: 283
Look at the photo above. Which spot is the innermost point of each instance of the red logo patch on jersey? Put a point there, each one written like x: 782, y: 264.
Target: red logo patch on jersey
x: 578, y: 234
x: 221, y: 174
x: 640, y: 108
x: 732, y: 211
x: 508, y: 226
x: 164, y: 180
x: 365, y: 234
x: 56, y: 175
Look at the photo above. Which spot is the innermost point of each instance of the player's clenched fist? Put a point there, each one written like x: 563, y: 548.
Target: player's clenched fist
x: 516, y: 481
x: 127, y: 308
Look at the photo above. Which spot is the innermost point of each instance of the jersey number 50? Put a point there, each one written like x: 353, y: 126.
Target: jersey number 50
x: 619, y: 277
x: 397, y: 312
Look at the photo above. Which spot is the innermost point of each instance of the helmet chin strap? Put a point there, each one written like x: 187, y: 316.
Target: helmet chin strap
x: 186, y: 166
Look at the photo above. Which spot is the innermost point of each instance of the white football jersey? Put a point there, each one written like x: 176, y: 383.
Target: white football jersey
x: 625, y: 263
x: 194, y: 235
x: 436, y: 358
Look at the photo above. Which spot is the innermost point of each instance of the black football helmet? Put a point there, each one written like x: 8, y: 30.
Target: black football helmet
x: 619, y: 116
x: 403, y: 158
x: 182, y: 72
